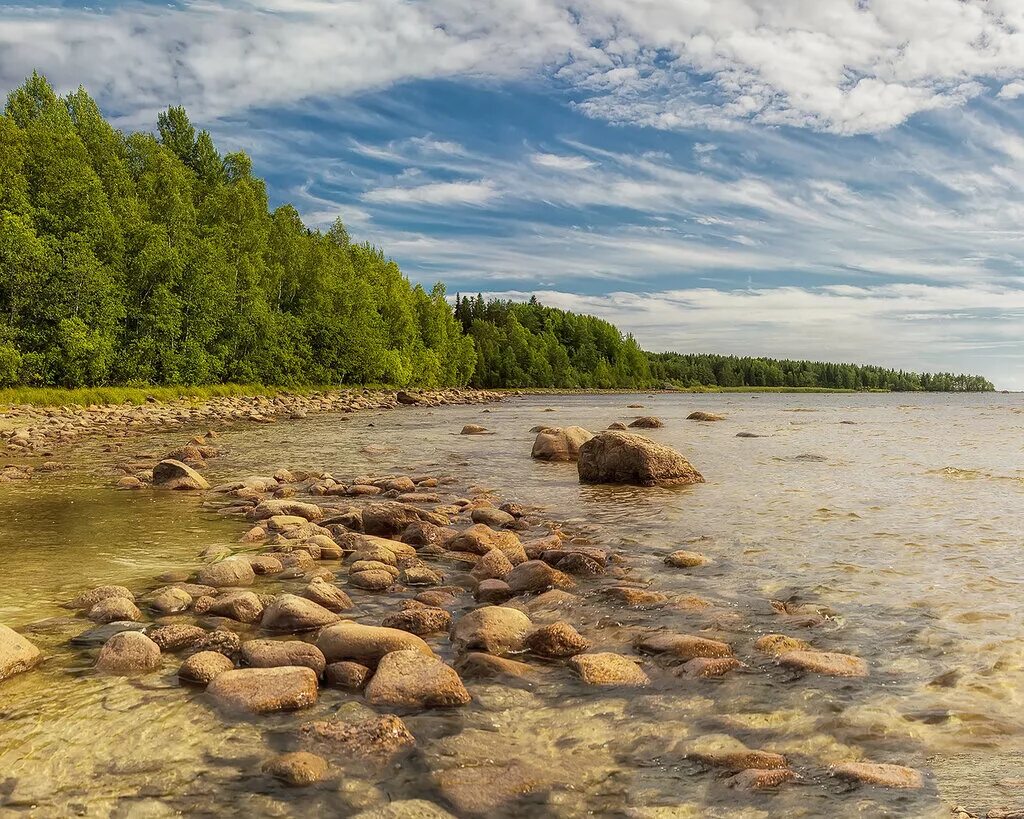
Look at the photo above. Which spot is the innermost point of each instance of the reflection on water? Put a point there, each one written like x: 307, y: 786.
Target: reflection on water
x: 905, y: 523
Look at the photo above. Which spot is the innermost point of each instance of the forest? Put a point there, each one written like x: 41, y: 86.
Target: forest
x: 152, y: 259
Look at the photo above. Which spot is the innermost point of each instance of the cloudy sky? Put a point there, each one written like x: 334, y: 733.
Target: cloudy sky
x: 834, y: 179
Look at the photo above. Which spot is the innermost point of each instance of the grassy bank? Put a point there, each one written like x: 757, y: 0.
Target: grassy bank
x: 85, y: 396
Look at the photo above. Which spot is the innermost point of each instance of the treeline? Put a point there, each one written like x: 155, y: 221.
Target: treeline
x: 152, y: 259
x: 530, y: 345
x: 732, y: 371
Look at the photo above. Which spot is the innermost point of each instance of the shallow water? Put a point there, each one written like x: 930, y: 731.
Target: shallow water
x: 906, y: 524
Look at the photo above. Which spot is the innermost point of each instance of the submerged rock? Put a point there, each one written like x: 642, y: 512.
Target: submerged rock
x: 779, y: 644
x: 127, y: 654
x: 473, y: 429
x: 607, y: 668
x: 494, y: 629
x: 683, y: 646
x: 176, y: 636
x: 204, y: 667
x: 700, y: 415
x: 422, y: 620
x: 877, y: 773
x: 647, y: 422
x: 16, y: 653
x: 557, y: 640
x: 366, y: 644
x: 277, y: 653
x: 265, y: 690
x: 559, y: 444
x: 829, y: 663
x: 233, y: 571
x: 88, y: 599
x: 172, y: 474
x: 298, y: 768
x: 411, y: 679
x: 375, y: 739
x: 478, y: 665
x: 759, y: 779
x: 406, y: 809
x: 289, y: 612
x: 115, y: 609
x: 683, y: 559
x: 622, y: 457
x: 537, y: 576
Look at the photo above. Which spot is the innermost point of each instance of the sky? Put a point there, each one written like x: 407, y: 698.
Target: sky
x: 825, y: 179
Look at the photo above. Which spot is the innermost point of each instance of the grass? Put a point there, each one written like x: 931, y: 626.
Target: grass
x: 85, y: 396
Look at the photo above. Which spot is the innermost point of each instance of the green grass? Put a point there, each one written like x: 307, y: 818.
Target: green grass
x: 56, y: 396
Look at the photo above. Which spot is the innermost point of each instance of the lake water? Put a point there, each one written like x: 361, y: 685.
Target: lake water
x: 906, y: 525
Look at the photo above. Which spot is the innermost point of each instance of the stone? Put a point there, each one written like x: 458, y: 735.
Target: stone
x: 779, y: 644
x: 376, y: 739
x: 128, y: 653
x: 479, y: 666
x: 489, y: 516
x: 754, y: 779
x: 723, y: 751
x: 266, y: 564
x: 636, y: 598
x: 277, y: 653
x: 372, y: 579
x: 173, y: 474
x: 700, y: 415
x: 286, y: 506
x: 327, y: 595
x: 683, y: 646
x: 88, y: 599
x: 608, y: 668
x: 130, y: 482
x: 243, y: 606
x: 233, y: 571
x: 298, y: 768
x: 647, y: 422
x: 559, y: 444
x: 536, y: 576
x: 557, y: 640
x: 16, y: 653
x: 479, y: 539
x: 425, y: 620
x: 348, y: 675
x: 366, y: 644
x: 706, y: 667
x: 492, y: 566
x: 617, y: 425
x: 436, y: 598
x: 171, y: 601
x: 265, y: 690
x: 492, y: 591
x: 683, y: 559
x: 289, y: 612
x: 473, y: 429
x: 115, y: 609
x: 221, y: 640
x: 420, y: 576
x: 829, y: 663
x: 390, y: 519
x: 493, y: 629
x: 622, y: 457
x: 406, y: 809
x: 176, y: 636
x: 411, y: 679
x: 204, y: 667
x: 876, y: 773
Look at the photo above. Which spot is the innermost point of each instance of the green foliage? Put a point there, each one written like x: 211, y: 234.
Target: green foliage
x: 150, y: 259
x: 141, y: 258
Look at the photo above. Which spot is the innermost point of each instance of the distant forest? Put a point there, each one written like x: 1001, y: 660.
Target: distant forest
x: 152, y: 259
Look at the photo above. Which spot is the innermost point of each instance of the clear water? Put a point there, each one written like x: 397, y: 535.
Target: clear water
x: 907, y: 525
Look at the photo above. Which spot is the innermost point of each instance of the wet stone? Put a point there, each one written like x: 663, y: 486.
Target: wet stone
x: 204, y: 667
x: 425, y: 620
x: 265, y: 690
x: 879, y: 774
x: 557, y: 640
x: 375, y: 739
x: 493, y: 629
x: 128, y: 653
x: 347, y: 675
x: 410, y: 679
x: 297, y: 769
x: 606, y: 668
x: 277, y: 653
x: 115, y: 609
x: 176, y: 636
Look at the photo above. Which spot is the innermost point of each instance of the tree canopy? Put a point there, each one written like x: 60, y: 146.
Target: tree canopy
x: 150, y: 258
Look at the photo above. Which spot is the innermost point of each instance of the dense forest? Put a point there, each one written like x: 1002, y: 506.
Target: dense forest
x: 150, y: 258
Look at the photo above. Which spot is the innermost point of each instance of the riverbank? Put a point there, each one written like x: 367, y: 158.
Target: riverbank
x: 31, y: 430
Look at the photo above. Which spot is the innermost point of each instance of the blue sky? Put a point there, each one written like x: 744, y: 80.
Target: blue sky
x: 833, y: 179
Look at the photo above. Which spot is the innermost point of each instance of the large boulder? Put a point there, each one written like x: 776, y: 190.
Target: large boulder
x: 559, y: 444
x: 366, y: 644
x: 621, y: 457
x: 233, y: 571
x: 289, y: 612
x: 278, y: 653
x: 16, y: 653
x: 172, y: 474
x: 265, y: 690
x: 493, y: 629
x: 411, y: 679
x: 129, y: 653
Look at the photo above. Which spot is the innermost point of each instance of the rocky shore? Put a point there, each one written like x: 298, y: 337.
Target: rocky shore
x: 406, y: 593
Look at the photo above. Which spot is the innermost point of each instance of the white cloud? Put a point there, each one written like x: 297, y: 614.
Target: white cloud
x: 1011, y: 91
x: 435, y: 193
x: 558, y: 162
x: 830, y: 65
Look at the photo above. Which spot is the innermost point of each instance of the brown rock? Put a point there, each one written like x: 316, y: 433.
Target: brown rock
x: 266, y: 564
x: 297, y: 769
x: 704, y: 416
x: 493, y: 565
x: 537, y: 576
x: 16, y: 653
x: 128, y: 653
x: 390, y: 519
x: 636, y: 598
x: 425, y: 620
x: 684, y: 646
x: 277, y: 653
x: 327, y: 595
x: 492, y: 591
x: 88, y: 599
x: 473, y: 429
x: 647, y: 422
x: 375, y: 739
x: 172, y: 474
x: 411, y: 679
x: 494, y: 629
x: 877, y: 773
x: 221, y: 641
x: 114, y: 609
x: 244, y: 606
x: 204, y: 667
x: 286, y: 506
x: 557, y: 640
x: 683, y: 559
x: 758, y: 780
x: 372, y: 579
x: 779, y: 644
x: 558, y: 444
x: 348, y: 675
x: 233, y: 571
x: 420, y: 576
x: 290, y: 612
x: 265, y: 690
x: 621, y: 457
x: 606, y: 668
x: 171, y: 601
x: 176, y: 636
x: 825, y: 662
x: 703, y: 667
x: 366, y: 644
